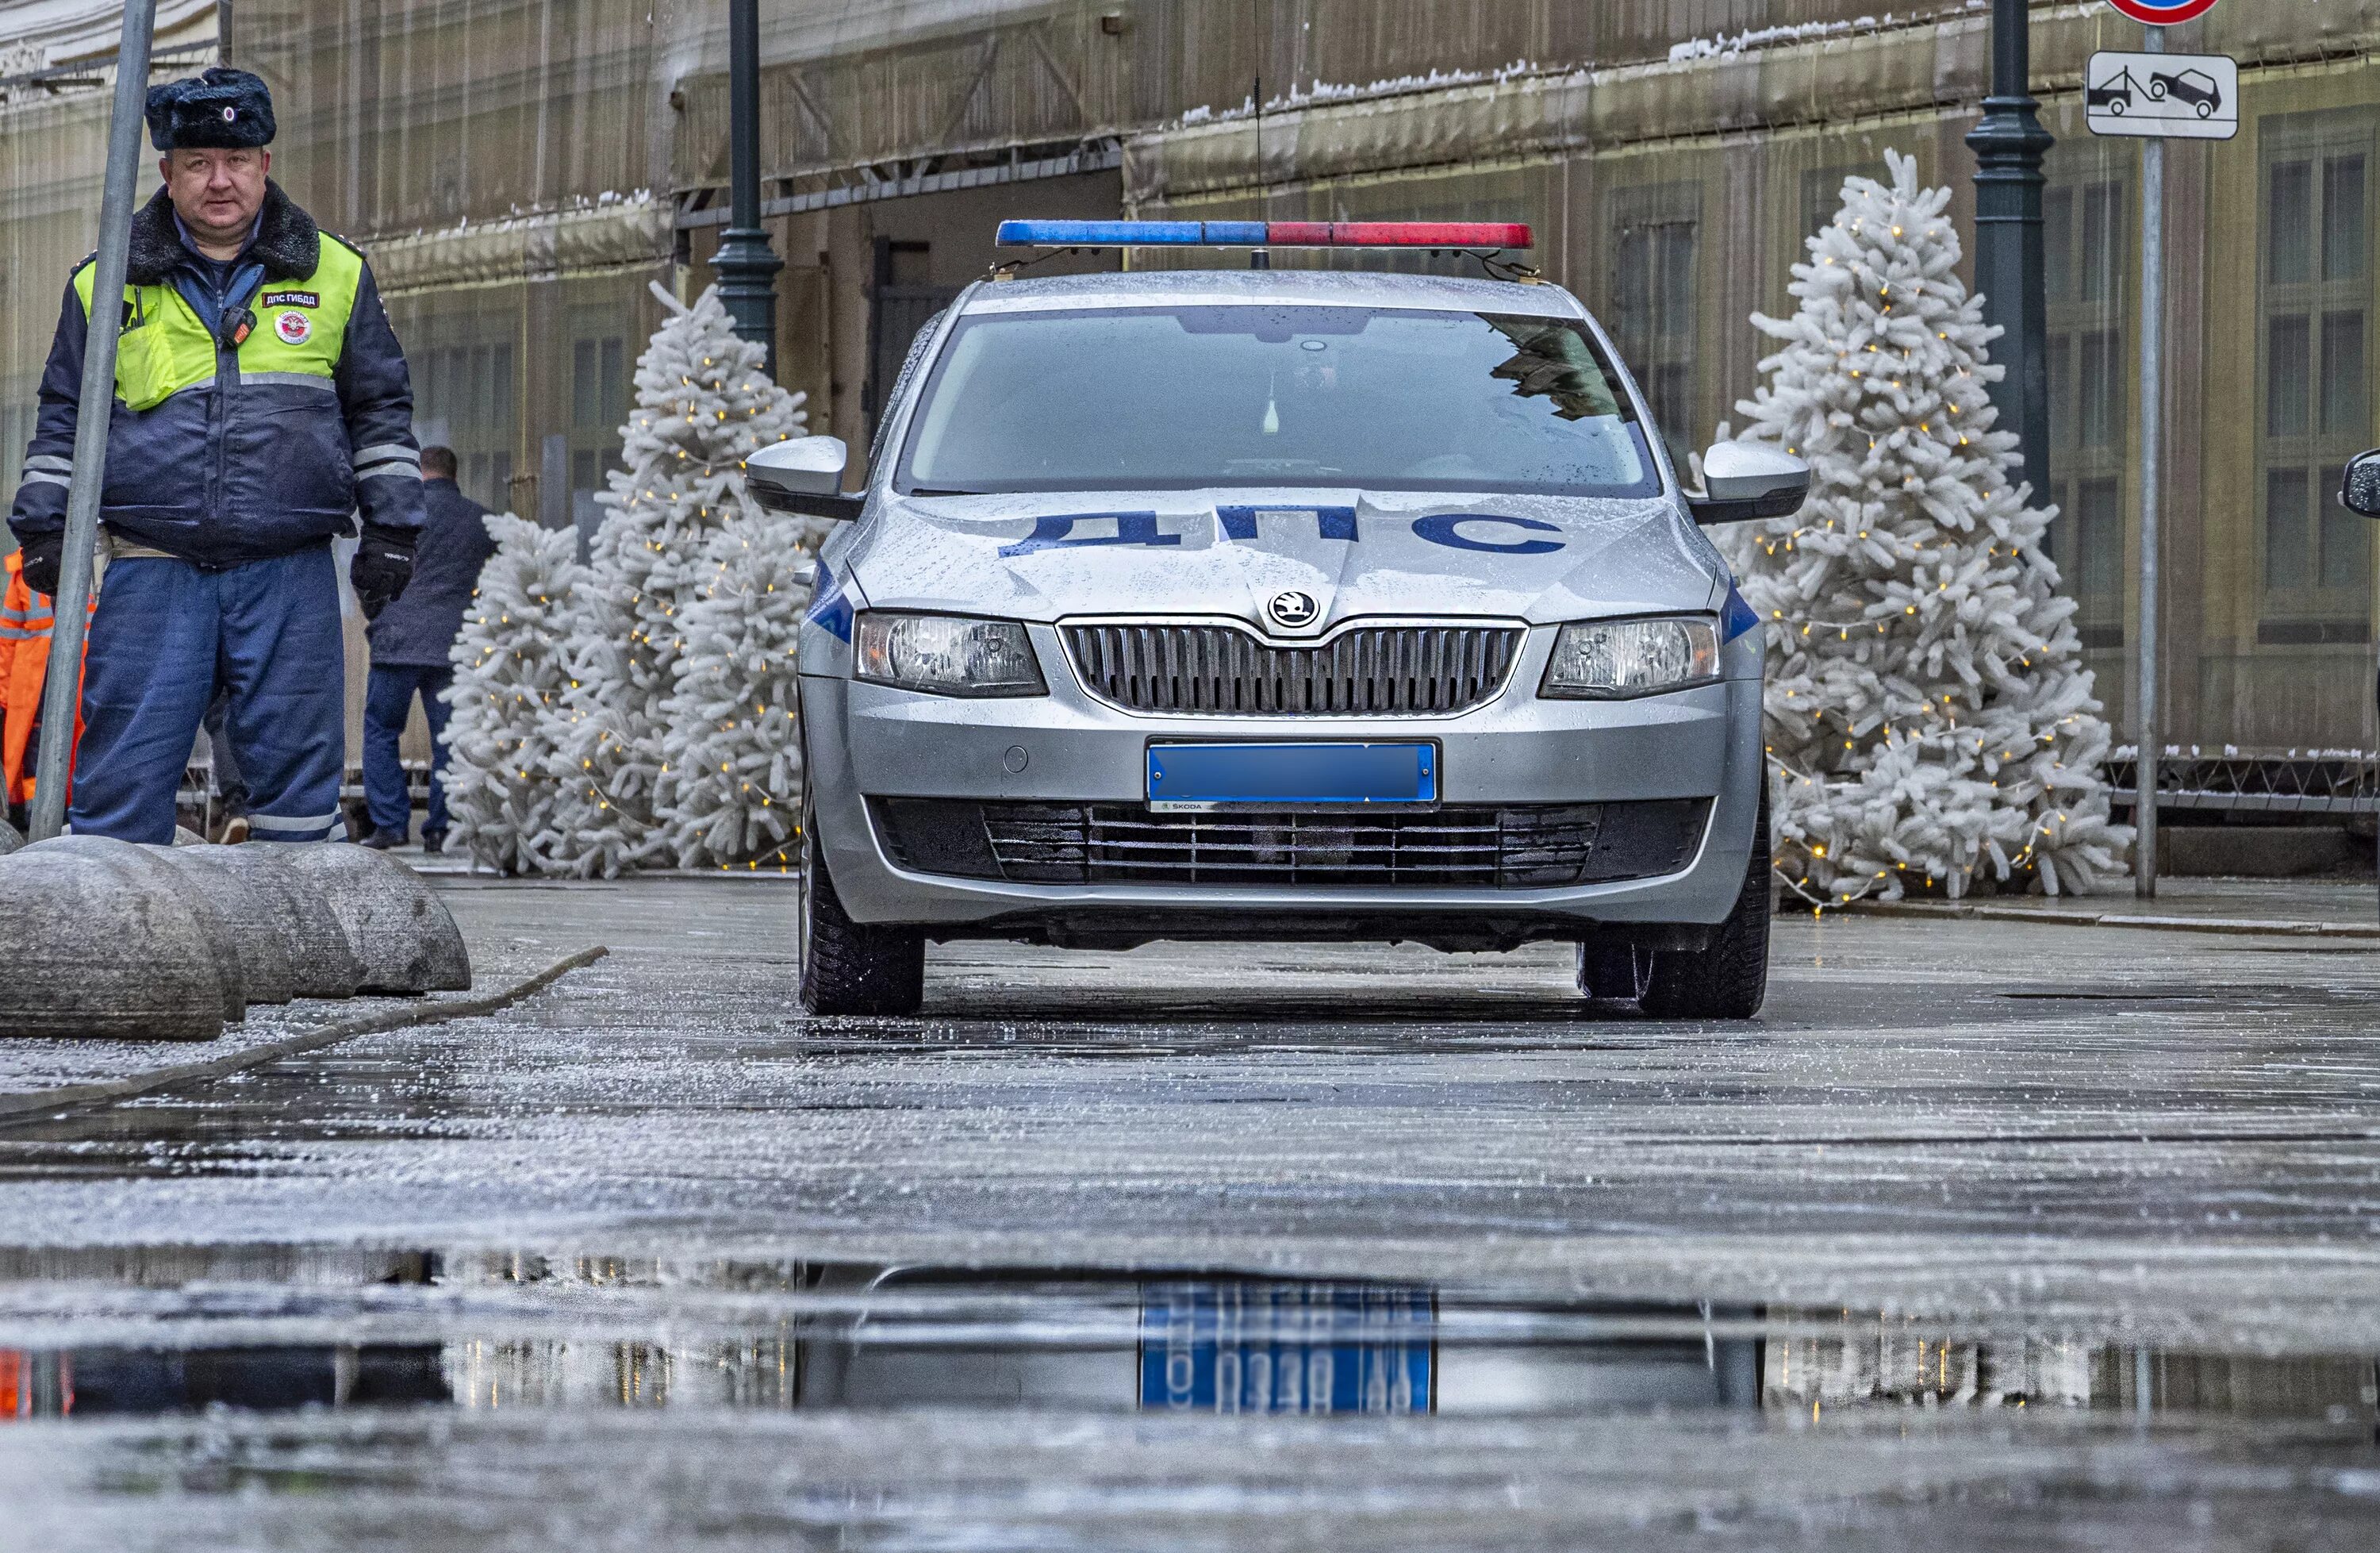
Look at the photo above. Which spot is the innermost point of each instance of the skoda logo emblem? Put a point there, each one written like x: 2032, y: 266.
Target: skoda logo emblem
x: 1293, y: 610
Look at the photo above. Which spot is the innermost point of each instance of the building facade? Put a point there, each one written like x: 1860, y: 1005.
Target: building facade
x: 523, y: 171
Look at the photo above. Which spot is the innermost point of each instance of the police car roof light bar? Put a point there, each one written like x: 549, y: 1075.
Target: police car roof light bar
x: 1266, y: 234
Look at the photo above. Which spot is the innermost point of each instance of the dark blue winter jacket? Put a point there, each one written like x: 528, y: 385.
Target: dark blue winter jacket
x: 421, y: 626
x: 221, y: 453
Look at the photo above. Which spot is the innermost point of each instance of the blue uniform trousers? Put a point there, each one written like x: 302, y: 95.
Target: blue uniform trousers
x: 166, y: 635
x: 387, y: 703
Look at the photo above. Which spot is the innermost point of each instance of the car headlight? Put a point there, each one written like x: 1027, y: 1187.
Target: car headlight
x: 948, y: 654
x: 1612, y: 660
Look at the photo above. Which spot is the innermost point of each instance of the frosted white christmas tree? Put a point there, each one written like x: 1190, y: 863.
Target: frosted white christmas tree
x: 732, y: 751
x: 704, y: 402
x: 1927, y: 716
x: 510, y: 673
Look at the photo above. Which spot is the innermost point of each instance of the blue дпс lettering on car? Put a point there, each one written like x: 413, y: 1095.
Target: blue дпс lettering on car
x: 1275, y: 603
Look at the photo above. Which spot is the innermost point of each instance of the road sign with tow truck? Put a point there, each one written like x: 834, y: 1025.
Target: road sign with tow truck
x: 2187, y: 96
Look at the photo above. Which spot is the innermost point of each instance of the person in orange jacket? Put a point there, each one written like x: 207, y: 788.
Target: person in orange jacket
x: 25, y: 618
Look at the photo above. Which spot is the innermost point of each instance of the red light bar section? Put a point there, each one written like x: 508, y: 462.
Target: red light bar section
x: 1400, y: 234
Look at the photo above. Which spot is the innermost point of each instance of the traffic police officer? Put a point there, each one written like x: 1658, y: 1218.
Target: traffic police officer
x: 261, y: 399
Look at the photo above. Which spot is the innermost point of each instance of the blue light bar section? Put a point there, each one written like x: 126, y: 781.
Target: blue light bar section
x: 1266, y: 234
x: 1133, y: 234
x: 1116, y: 233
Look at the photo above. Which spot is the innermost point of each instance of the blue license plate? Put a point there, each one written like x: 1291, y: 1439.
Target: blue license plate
x: 1228, y: 1347
x: 1214, y: 775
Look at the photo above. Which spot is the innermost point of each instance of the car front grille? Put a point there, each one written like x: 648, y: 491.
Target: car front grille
x: 1521, y: 847
x: 1219, y: 670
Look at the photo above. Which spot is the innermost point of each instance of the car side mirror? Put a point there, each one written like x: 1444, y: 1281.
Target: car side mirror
x: 1743, y: 481
x: 2360, y: 491
x: 803, y: 475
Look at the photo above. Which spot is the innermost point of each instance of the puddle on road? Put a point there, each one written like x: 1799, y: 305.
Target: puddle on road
x: 597, y: 1333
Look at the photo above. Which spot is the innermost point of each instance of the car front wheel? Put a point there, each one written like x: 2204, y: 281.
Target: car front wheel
x: 848, y: 967
x: 1728, y: 978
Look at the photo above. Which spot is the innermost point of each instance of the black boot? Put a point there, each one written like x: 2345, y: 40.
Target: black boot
x: 385, y: 840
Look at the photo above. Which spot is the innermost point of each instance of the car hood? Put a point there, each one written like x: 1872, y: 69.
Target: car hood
x: 1233, y: 553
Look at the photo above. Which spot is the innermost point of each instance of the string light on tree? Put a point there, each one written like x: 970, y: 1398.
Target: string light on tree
x: 733, y: 754
x: 510, y: 675
x: 704, y: 403
x: 1935, y: 725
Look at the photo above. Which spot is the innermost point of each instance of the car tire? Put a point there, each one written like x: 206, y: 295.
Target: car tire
x: 1728, y: 978
x: 848, y: 967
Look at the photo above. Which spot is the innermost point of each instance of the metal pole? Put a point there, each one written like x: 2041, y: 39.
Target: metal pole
x: 746, y: 264
x: 62, y: 691
x: 2151, y: 746
x: 2011, y: 265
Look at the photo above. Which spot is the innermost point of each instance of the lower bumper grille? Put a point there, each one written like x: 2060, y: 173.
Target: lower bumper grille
x: 1521, y: 847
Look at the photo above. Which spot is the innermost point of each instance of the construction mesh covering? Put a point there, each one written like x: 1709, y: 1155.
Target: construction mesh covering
x: 520, y: 169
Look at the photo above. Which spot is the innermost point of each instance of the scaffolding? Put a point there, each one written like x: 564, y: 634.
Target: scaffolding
x: 519, y: 169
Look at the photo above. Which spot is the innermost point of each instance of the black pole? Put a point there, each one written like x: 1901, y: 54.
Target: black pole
x: 2010, y: 267
x: 746, y: 266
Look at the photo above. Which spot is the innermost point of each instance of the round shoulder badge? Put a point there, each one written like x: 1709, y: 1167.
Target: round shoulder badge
x: 294, y: 327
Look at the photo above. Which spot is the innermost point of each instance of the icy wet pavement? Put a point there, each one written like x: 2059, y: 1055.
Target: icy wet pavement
x: 599, y: 1269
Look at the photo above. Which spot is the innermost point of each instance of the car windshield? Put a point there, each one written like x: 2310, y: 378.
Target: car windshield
x: 1184, y: 397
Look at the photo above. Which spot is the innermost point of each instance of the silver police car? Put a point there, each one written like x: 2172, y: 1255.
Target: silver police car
x: 1277, y: 604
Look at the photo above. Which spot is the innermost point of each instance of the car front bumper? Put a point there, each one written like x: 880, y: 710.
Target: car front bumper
x: 870, y: 742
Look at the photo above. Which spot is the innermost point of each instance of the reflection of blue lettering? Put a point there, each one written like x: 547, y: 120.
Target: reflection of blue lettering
x: 1447, y: 529
x: 1334, y: 523
x: 830, y: 608
x: 1055, y: 531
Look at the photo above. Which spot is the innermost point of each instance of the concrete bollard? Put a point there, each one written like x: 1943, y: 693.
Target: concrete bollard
x: 91, y: 954
x: 144, y: 870
x: 267, y: 947
x: 10, y: 838
x: 321, y: 962
x: 400, y: 930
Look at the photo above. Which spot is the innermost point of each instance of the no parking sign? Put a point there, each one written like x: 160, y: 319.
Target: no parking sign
x: 2164, y: 13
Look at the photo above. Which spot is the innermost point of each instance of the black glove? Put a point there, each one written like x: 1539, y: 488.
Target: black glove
x: 383, y: 566
x: 43, y: 555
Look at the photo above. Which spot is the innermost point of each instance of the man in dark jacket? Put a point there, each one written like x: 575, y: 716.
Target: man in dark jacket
x: 261, y: 399
x: 409, y: 646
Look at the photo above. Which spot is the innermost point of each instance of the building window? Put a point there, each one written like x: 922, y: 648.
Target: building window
x: 599, y: 409
x: 2314, y: 314
x: 2085, y: 232
x: 465, y: 395
x: 1655, y: 248
x: 902, y: 299
x: 1822, y: 198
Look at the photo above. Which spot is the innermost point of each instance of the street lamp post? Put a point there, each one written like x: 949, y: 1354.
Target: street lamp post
x: 62, y: 691
x: 2009, y: 146
x: 746, y: 266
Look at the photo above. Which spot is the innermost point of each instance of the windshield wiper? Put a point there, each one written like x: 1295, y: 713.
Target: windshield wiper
x: 941, y: 491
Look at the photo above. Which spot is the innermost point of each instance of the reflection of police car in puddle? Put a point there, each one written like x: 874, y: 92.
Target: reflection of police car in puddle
x: 1279, y: 606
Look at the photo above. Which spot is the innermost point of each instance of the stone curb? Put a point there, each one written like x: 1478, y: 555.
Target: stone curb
x: 435, y: 1012
x: 2265, y: 928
